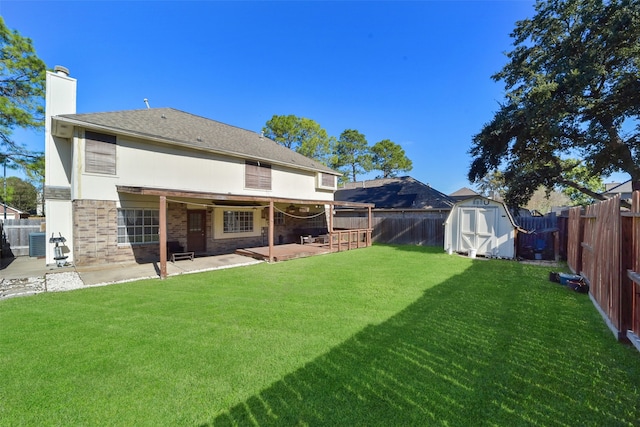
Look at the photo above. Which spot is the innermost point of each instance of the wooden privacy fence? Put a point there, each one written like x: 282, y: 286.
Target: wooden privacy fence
x: 546, y: 236
x: 603, y: 246
x: 16, y: 239
x: 424, y: 230
x: 400, y: 231
x: 633, y: 274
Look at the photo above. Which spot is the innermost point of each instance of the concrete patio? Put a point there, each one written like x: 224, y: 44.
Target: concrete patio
x: 28, y: 276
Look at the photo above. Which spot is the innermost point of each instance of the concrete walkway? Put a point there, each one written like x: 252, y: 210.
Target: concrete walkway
x: 27, y: 276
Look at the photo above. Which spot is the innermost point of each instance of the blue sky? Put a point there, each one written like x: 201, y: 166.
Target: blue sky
x: 417, y: 73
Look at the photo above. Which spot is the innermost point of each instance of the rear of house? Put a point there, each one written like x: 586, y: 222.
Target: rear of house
x: 107, y: 173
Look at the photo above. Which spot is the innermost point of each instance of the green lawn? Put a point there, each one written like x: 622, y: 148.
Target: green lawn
x: 380, y: 336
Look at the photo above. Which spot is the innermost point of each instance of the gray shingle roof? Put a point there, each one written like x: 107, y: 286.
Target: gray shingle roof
x: 180, y: 128
x: 395, y: 193
x: 463, y: 193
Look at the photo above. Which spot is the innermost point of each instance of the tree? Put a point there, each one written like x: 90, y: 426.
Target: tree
x: 390, y: 158
x: 544, y: 199
x: 20, y: 194
x: 572, y: 88
x: 492, y: 185
x: 22, y: 88
x: 595, y: 185
x: 304, y: 136
x: 34, y: 171
x: 351, y: 154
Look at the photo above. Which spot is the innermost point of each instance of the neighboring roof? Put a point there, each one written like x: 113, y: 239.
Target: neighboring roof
x: 463, y: 193
x: 9, y: 210
x: 394, y: 193
x: 616, y: 187
x: 179, y: 128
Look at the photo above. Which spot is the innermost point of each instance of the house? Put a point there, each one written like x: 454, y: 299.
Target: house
x: 623, y: 189
x: 131, y: 185
x: 480, y: 226
x: 8, y: 212
x: 398, y: 196
x: 463, y: 193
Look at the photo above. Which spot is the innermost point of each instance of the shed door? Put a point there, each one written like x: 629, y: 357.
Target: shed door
x: 478, y: 229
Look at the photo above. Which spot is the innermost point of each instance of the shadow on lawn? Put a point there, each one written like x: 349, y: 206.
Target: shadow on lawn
x: 459, y: 355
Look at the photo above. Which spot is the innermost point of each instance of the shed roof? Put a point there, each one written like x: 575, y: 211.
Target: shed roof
x: 177, y: 127
x: 395, y: 193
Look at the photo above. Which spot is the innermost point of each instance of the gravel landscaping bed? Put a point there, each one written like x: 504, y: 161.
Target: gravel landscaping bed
x: 50, y: 282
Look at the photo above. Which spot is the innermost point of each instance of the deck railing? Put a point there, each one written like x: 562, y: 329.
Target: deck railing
x: 341, y: 240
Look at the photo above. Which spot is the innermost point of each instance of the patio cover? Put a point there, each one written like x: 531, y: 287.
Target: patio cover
x: 163, y: 193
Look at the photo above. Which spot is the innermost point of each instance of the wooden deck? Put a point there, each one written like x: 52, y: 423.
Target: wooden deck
x: 336, y: 241
x: 285, y: 252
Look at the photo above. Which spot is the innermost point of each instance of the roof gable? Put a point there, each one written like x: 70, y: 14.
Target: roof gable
x: 179, y: 128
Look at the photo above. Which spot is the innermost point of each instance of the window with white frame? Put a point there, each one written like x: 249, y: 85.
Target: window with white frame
x: 238, y: 222
x: 316, y: 221
x: 137, y: 226
x: 326, y: 181
x: 278, y: 218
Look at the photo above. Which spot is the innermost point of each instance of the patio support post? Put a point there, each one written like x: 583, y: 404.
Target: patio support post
x: 369, y: 226
x: 163, y: 236
x: 270, y: 230
x: 331, y: 208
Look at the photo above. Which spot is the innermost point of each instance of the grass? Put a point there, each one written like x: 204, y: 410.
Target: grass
x: 390, y: 335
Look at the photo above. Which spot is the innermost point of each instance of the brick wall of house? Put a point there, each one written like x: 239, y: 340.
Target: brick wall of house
x: 177, y: 223
x: 96, y: 235
x: 95, y: 230
x: 228, y: 246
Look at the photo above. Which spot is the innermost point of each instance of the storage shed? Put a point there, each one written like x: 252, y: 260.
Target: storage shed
x: 480, y: 226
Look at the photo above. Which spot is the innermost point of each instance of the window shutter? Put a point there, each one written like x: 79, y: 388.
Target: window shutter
x: 328, y: 180
x: 257, y: 176
x: 100, y: 153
